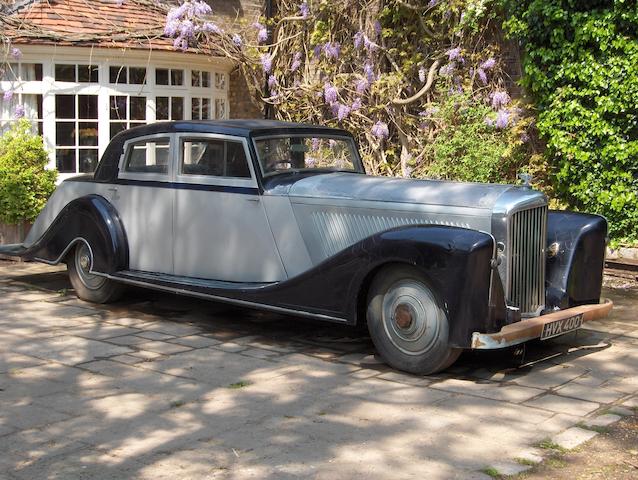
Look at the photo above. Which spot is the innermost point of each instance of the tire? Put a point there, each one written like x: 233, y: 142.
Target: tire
x: 407, y: 322
x: 88, y: 286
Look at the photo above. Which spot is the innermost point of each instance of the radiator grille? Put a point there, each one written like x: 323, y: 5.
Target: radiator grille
x: 526, y: 259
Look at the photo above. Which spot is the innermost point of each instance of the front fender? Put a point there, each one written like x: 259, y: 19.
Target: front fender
x: 574, y: 274
x: 90, y: 218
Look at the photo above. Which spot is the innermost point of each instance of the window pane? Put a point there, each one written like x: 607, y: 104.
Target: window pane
x: 203, y: 158
x: 206, y: 111
x: 9, y: 72
x: 65, y: 134
x: 148, y: 157
x: 117, y: 127
x: 65, y: 73
x: 117, y: 74
x: 161, y: 108
x: 195, y: 112
x: 65, y: 160
x: 205, y: 79
x: 88, y: 160
x: 32, y: 72
x: 177, y: 77
x: 87, y: 106
x: 117, y: 107
x: 88, y: 133
x: 220, y: 80
x: 87, y: 73
x: 196, y: 78
x: 65, y: 106
x: 161, y: 76
x: 236, y: 162
x: 137, y: 75
x: 32, y: 105
x: 177, y: 108
x: 220, y: 108
x: 138, y: 108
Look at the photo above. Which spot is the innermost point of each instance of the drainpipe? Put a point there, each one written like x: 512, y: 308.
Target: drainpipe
x: 269, y: 112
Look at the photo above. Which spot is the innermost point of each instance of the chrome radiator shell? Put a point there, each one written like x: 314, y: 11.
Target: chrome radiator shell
x: 519, y: 225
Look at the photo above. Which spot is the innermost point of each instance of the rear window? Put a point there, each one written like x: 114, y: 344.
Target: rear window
x: 148, y: 156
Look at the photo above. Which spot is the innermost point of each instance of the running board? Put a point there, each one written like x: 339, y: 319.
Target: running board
x: 220, y: 291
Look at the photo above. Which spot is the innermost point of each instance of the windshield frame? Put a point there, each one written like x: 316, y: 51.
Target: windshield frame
x: 354, y: 150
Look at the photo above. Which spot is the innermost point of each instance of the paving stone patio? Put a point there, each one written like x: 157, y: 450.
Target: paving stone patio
x: 160, y: 386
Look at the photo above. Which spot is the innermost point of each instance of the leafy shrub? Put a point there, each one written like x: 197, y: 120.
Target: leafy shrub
x: 581, y: 66
x: 25, y: 185
x: 466, y: 145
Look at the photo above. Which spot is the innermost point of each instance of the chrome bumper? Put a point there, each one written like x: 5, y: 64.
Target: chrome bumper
x: 532, y: 328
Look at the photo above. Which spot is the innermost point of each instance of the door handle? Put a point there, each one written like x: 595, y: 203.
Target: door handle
x: 252, y: 199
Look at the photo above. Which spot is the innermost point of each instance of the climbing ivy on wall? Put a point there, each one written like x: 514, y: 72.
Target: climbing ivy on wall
x: 581, y: 68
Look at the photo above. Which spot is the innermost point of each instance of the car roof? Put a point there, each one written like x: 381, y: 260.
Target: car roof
x: 244, y: 128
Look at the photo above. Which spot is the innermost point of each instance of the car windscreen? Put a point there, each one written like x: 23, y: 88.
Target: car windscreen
x: 306, y: 153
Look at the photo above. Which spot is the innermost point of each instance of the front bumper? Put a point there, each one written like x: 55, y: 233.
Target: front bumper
x: 532, y: 328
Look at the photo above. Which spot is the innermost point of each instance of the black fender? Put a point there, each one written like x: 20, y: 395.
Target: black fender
x: 91, y: 219
x: 574, y: 275
x: 455, y: 261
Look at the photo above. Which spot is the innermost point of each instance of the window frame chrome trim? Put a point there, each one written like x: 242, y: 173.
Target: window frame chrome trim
x: 155, y: 177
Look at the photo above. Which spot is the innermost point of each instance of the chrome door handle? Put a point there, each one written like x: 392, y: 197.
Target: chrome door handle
x: 252, y: 199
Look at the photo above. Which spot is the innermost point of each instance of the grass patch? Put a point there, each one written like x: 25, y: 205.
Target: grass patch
x: 525, y: 461
x: 594, y: 428
x: 549, y: 445
x: 492, y: 472
x: 240, y: 384
x: 555, y: 462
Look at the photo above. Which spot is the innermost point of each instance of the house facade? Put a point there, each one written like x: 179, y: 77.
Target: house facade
x: 85, y: 70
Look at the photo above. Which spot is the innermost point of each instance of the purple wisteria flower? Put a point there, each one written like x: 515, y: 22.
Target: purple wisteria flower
x: 502, y: 119
x: 482, y: 75
x: 330, y: 93
x: 422, y: 74
x: 316, y: 51
x: 332, y: 50
x: 201, y: 8
x: 377, y: 27
x: 304, y: 10
x: 311, y: 162
x: 180, y: 43
x: 296, y: 62
x: 447, y: 69
x: 368, y: 69
x: 454, y: 54
x: 211, y: 27
x: 356, y: 105
x: 186, y: 29
x: 380, y: 130
x: 500, y: 98
x: 171, y: 28
x: 119, y: 3
x: 316, y: 143
x: 343, y: 111
x: 358, y: 39
x: 429, y: 112
x: 266, y: 62
x: 262, y: 32
x: 272, y: 82
x: 432, y: 3
x: 19, y: 111
x: 361, y: 85
x: 7, y: 95
x: 237, y: 40
x: 488, y: 64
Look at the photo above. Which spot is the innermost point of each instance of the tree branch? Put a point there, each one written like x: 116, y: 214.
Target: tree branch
x: 424, y: 90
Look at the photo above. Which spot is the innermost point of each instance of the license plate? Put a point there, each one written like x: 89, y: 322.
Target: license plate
x: 559, y: 327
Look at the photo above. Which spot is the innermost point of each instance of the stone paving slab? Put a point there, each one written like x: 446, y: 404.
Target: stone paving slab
x: 158, y: 386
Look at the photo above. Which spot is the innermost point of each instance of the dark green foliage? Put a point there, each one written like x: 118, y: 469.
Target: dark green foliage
x: 581, y: 67
x: 25, y: 185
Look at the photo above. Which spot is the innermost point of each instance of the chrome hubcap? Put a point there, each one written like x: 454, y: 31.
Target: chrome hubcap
x: 411, y: 317
x: 83, y: 264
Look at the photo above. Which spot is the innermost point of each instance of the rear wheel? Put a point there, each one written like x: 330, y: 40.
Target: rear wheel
x: 407, y: 322
x: 87, y: 285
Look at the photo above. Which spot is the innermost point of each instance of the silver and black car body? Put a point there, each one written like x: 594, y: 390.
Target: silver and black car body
x: 282, y: 217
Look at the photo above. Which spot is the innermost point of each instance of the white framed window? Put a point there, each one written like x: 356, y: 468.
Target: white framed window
x: 169, y: 77
x: 169, y: 108
x: 122, y: 74
x: 76, y: 133
x: 201, y: 108
x: 126, y: 111
x: 76, y: 73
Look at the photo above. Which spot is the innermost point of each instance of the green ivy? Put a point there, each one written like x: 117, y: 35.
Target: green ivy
x: 25, y: 185
x: 581, y: 67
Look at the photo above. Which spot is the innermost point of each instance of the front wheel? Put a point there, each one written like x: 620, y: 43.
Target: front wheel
x: 407, y: 322
x: 87, y: 285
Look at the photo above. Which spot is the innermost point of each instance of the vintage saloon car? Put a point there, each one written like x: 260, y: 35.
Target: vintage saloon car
x: 282, y: 217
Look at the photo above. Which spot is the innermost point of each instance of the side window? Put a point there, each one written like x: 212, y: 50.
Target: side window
x: 148, y: 156
x: 219, y: 158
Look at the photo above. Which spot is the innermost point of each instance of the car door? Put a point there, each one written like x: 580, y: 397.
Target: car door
x: 144, y: 197
x: 220, y: 227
